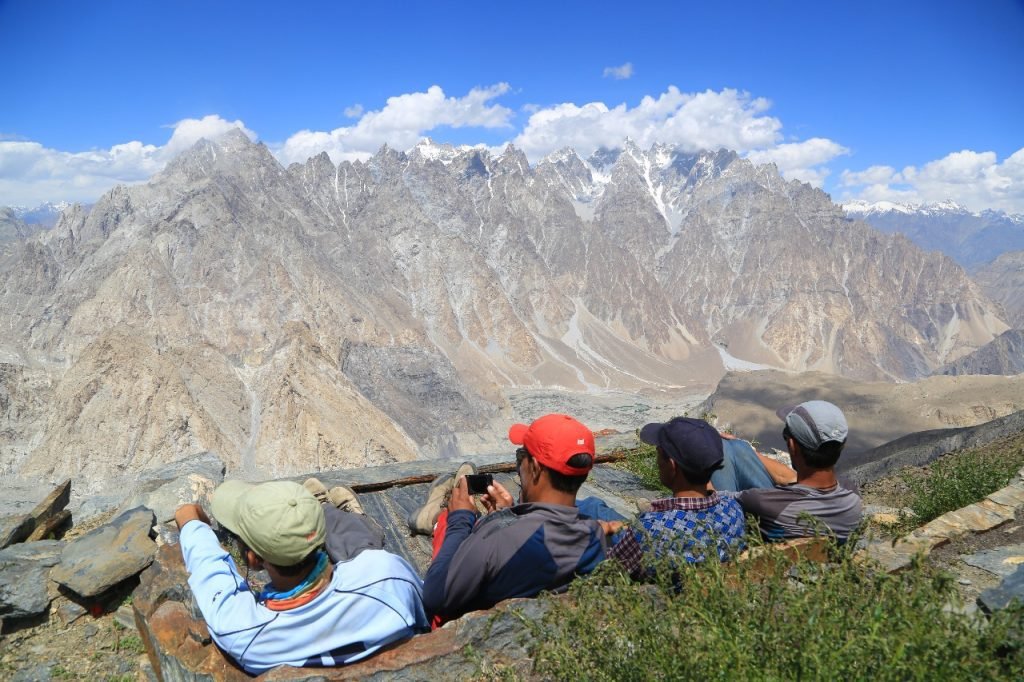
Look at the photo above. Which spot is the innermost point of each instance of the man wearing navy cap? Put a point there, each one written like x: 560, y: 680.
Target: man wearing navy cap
x: 696, y: 522
x: 808, y: 499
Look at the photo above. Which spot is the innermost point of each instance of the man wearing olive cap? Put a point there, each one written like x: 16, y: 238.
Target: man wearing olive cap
x: 314, y: 612
x: 808, y: 499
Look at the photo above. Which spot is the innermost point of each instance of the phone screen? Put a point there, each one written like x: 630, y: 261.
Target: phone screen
x: 478, y: 483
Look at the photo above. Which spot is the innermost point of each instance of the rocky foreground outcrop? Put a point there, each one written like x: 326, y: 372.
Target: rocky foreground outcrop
x: 96, y: 570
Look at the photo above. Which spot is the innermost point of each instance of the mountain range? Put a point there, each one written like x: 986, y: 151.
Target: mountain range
x: 326, y: 316
x: 971, y: 238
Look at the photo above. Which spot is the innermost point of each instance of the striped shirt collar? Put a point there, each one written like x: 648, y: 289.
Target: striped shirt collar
x: 685, y: 503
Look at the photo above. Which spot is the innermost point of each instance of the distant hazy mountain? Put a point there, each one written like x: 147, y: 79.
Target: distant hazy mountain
x: 45, y: 215
x: 969, y: 238
x: 329, y: 316
x: 1003, y: 281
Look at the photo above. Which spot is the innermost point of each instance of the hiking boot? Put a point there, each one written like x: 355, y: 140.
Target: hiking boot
x: 316, y: 488
x: 344, y: 498
x: 465, y: 469
x: 422, y: 520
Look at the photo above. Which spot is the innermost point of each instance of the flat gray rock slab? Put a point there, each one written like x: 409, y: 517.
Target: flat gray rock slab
x: 24, y: 573
x: 1002, y: 561
x: 1012, y: 588
x: 107, y: 555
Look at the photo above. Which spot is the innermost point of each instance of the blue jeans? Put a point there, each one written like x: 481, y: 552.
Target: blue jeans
x: 595, y: 508
x: 743, y: 469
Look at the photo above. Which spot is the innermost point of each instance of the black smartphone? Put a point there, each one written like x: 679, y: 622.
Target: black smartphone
x: 478, y: 483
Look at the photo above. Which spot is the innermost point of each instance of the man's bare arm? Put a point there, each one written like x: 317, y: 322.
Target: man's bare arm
x: 780, y: 473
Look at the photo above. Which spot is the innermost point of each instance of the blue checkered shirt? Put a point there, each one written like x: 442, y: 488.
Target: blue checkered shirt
x: 690, y: 526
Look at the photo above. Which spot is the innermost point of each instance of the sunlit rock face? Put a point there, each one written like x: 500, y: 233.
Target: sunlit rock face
x: 325, y: 316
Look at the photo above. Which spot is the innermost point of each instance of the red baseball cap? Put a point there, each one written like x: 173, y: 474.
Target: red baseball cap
x: 553, y: 439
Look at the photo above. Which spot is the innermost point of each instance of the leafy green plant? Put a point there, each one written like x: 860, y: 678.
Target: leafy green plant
x: 960, y: 479
x: 131, y: 644
x: 643, y: 462
x: 774, y: 619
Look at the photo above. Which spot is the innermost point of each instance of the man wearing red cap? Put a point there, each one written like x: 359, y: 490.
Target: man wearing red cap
x: 518, y: 550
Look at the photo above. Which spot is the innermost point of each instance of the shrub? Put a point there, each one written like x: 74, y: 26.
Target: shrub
x: 774, y: 620
x: 960, y: 479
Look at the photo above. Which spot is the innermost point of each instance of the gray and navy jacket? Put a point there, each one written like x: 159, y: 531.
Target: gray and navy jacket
x: 514, y: 552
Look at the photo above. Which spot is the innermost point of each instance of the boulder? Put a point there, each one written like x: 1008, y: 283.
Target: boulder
x: 15, y: 528
x: 24, y: 570
x: 47, y: 514
x: 164, y: 497
x: 104, y: 557
x: 1010, y: 589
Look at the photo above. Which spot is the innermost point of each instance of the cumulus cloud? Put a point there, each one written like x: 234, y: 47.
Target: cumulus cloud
x: 354, y: 111
x: 704, y: 120
x: 401, y: 123
x: 31, y: 173
x: 619, y: 73
x: 977, y: 180
x: 802, y: 161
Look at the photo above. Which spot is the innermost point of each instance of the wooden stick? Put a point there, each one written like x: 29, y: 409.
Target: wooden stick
x: 504, y: 467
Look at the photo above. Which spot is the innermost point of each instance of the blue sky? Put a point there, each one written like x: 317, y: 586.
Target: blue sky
x: 916, y: 101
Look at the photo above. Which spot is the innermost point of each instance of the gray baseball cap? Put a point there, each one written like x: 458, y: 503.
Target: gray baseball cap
x: 815, y: 423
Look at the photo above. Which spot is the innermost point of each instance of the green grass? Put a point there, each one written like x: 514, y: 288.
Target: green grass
x: 776, y: 622
x: 642, y: 462
x: 960, y: 479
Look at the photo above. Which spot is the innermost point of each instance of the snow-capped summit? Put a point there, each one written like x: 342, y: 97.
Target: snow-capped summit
x: 428, y: 150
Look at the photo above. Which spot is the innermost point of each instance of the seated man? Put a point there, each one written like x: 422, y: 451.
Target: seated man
x: 314, y: 613
x: 782, y: 498
x: 696, y: 520
x: 518, y: 550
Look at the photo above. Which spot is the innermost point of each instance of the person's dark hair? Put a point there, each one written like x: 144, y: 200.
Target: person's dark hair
x: 825, y: 456
x: 565, y: 483
x: 693, y: 478
x: 304, y: 566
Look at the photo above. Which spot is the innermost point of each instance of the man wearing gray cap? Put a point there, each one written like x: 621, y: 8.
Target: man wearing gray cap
x: 807, y: 500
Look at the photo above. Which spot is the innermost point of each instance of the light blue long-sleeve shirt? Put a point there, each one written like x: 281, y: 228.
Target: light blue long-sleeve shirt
x: 373, y: 599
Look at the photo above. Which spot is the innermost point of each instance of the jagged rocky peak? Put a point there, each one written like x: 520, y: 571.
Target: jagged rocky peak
x: 604, y: 158
x: 427, y: 150
x: 425, y: 292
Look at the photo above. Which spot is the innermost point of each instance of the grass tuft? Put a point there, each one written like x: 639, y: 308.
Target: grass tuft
x: 960, y: 479
x: 774, y: 620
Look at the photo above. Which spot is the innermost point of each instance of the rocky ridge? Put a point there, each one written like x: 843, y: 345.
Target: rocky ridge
x: 322, y: 315
x: 1002, y: 280
x: 1004, y: 355
x: 971, y: 238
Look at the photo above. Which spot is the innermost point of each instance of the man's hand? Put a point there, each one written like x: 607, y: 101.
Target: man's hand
x: 611, y: 527
x: 190, y: 512
x: 497, y: 497
x: 461, y: 499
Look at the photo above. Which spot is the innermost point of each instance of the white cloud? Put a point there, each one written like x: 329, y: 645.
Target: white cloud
x: 619, y: 73
x: 31, y: 173
x: 704, y: 120
x: 354, y: 111
x: 401, y: 123
x: 802, y: 161
x: 977, y: 180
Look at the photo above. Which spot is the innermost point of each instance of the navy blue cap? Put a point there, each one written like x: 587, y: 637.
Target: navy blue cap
x: 693, y: 444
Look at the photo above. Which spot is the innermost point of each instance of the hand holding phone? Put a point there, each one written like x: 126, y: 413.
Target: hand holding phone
x: 478, y: 483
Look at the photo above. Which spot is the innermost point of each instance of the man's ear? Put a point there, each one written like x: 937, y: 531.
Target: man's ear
x: 253, y: 559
